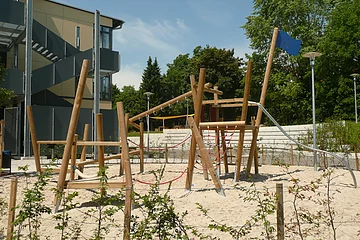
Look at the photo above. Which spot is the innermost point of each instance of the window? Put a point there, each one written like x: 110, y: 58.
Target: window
x: 105, y: 37
x: 105, y: 88
x: 77, y: 39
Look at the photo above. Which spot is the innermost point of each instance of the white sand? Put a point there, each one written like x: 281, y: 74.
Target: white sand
x: 231, y: 210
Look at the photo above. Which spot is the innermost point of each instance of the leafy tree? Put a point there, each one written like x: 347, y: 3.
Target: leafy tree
x: 341, y: 49
x: 134, y: 102
x: 151, y: 82
x: 222, y: 68
x: 5, y: 95
x: 289, y: 91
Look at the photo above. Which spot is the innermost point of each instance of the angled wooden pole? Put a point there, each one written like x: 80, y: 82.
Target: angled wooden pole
x: 34, y: 138
x: 205, y: 155
x: 73, y: 157
x: 262, y: 100
x: 12, y: 205
x: 142, y: 147
x: 71, y: 130
x: 243, y: 117
x: 83, y: 151
x: 127, y: 168
x: 197, y: 98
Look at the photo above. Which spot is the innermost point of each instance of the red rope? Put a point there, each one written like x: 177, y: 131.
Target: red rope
x: 161, y: 183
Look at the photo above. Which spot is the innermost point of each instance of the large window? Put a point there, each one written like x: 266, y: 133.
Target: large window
x: 105, y: 37
x: 105, y: 93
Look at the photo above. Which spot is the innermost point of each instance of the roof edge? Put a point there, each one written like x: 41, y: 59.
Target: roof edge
x: 117, y: 23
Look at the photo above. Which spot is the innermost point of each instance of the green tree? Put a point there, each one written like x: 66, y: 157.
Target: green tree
x: 289, y: 91
x: 5, y: 95
x: 134, y: 102
x: 341, y: 57
x: 223, y: 69
x: 151, y: 82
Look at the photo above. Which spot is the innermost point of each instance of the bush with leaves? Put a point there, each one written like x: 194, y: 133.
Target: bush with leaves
x: 305, y: 223
x: 159, y: 219
x: 105, y: 209
x: 32, y: 206
x: 265, y: 206
x: 68, y: 231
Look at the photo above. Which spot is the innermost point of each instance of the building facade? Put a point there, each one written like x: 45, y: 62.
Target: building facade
x: 62, y: 37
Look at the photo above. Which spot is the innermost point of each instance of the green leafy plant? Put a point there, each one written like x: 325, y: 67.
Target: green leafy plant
x: 159, y: 219
x: 68, y: 231
x: 265, y: 207
x: 32, y: 206
x: 104, y: 211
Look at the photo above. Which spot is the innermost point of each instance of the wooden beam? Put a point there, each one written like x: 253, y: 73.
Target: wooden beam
x: 204, y: 125
x: 262, y: 99
x: 205, y: 155
x: 228, y: 100
x: 243, y: 117
x: 83, y: 151
x: 93, y: 184
x: 71, y: 130
x: 127, y: 168
x: 73, y: 158
x: 34, y: 138
x: 232, y: 105
x: 161, y: 106
x: 197, y: 98
x: 134, y: 125
x: 12, y: 208
x: 246, y: 127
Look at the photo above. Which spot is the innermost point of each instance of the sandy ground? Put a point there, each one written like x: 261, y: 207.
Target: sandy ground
x: 230, y: 209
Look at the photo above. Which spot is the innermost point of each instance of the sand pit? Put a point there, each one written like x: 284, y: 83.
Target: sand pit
x: 231, y: 210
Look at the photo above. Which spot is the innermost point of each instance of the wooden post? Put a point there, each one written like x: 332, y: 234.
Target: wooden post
x: 262, y: 154
x: 292, y: 154
x: 217, y: 151
x: 325, y: 165
x: 127, y: 168
x: 166, y: 153
x: 243, y: 117
x: 256, y: 159
x: 100, y: 137
x: 142, y: 147
x: 121, y: 171
x: 73, y: 157
x: 34, y: 138
x: 101, y: 154
x: 262, y: 100
x: 205, y: 155
x: 280, y: 211
x: 356, y: 159
x: 12, y: 205
x: 72, y: 128
x: 197, y: 98
x: 83, y: 151
x: 223, y: 142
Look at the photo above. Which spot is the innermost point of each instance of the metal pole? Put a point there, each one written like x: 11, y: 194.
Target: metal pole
x: 148, y: 121
x: 96, y: 64
x: 148, y: 126
x: 312, y: 63
x: 356, y: 119
x: 28, y: 70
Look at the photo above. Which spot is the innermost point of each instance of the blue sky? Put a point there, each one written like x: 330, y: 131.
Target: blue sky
x: 167, y: 28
